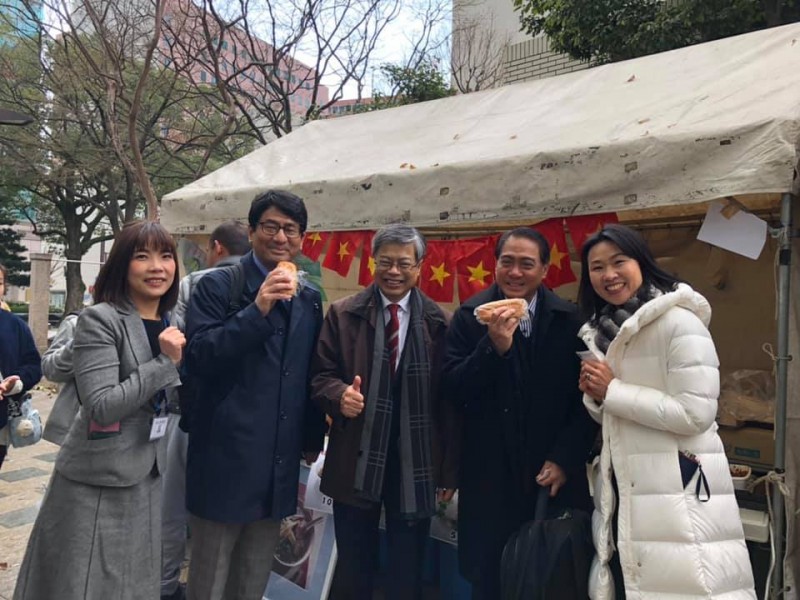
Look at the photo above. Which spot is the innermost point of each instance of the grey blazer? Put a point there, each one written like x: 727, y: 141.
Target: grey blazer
x: 116, y: 376
x: 57, y: 367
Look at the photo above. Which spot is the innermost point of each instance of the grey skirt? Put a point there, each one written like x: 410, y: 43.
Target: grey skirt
x: 94, y: 543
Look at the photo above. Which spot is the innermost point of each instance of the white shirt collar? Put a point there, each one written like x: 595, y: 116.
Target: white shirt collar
x: 403, y: 302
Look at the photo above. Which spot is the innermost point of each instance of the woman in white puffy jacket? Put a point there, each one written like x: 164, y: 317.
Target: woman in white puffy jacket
x: 666, y: 523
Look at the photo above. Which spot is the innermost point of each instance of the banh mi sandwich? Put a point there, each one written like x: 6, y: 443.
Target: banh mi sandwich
x: 484, y: 312
x: 291, y: 269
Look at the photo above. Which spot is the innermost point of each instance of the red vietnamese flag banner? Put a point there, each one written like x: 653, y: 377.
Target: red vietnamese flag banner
x: 366, y: 271
x: 560, y: 271
x: 437, y: 273
x: 342, y: 250
x: 581, y: 228
x: 314, y: 243
x: 475, y: 269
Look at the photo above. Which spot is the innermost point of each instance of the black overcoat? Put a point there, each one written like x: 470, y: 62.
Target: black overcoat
x: 518, y: 411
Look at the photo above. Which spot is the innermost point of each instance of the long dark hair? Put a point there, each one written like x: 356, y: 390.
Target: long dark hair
x: 112, y: 282
x: 632, y: 245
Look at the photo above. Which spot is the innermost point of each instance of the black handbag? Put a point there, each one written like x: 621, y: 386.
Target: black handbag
x: 548, y: 558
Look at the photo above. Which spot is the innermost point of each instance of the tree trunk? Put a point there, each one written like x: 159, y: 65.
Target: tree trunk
x: 74, y: 300
x: 73, y: 252
x: 772, y: 12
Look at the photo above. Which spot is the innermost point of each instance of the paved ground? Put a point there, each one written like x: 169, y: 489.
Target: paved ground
x: 23, y: 479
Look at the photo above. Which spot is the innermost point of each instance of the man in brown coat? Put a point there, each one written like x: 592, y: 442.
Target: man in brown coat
x: 393, y: 439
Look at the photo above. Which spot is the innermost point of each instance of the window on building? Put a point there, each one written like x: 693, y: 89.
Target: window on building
x: 203, y: 76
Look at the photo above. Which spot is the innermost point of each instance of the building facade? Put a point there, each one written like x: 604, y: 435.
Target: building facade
x: 524, y: 57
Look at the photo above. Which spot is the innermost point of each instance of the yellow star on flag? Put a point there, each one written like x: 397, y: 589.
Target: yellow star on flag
x: 343, y: 250
x: 439, y: 274
x: 371, y: 265
x: 556, y: 257
x: 478, y: 273
x: 315, y: 237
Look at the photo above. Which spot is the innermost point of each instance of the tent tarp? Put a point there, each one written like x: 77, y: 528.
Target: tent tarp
x: 702, y: 122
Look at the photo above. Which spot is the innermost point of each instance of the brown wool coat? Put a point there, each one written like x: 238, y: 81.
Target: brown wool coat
x: 344, y: 351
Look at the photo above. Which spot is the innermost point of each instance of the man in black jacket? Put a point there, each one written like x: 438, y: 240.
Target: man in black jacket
x: 516, y: 382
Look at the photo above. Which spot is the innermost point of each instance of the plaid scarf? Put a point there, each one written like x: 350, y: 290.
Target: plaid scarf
x: 611, y: 318
x: 417, y: 486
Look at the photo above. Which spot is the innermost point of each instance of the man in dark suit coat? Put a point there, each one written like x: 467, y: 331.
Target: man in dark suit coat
x: 252, y: 417
x: 516, y: 382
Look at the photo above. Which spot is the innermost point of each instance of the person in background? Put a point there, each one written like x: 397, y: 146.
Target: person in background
x: 524, y: 427
x: 97, y: 534
x: 57, y: 367
x: 393, y: 442
x: 20, y: 365
x: 663, y: 493
x: 253, y: 419
x: 226, y: 246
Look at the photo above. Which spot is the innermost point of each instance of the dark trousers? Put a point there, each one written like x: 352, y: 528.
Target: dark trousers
x: 357, y: 544
x: 357, y: 547
x: 3, y: 450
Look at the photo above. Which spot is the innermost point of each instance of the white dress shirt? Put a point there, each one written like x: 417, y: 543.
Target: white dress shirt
x: 526, y: 324
x: 403, y: 315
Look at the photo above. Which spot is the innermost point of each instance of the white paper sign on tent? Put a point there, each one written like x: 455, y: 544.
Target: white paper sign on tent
x: 740, y: 232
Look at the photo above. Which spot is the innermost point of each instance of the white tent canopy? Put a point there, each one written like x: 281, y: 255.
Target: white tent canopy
x: 681, y: 127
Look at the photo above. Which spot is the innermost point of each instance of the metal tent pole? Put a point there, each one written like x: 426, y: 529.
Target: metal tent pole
x: 782, y: 368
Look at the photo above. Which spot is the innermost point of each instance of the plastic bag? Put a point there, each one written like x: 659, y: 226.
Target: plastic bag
x: 747, y: 395
x: 25, y: 429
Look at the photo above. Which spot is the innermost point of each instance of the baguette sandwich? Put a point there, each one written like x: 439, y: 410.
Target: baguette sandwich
x: 484, y: 312
x: 291, y: 269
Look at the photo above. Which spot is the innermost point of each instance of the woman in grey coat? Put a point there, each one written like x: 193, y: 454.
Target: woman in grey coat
x: 97, y: 535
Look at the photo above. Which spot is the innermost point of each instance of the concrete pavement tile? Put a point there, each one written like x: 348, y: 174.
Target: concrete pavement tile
x: 49, y: 457
x: 22, y: 516
x: 21, y: 474
x: 12, y: 549
x: 23, y: 497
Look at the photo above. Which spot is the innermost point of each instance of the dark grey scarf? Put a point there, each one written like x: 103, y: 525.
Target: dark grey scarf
x: 417, y: 487
x: 611, y: 317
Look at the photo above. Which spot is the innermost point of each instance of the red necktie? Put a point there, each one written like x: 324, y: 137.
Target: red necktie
x: 393, y: 336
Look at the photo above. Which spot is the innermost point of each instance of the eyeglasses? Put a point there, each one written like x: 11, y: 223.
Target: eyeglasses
x: 271, y: 228
x: 404, y: 265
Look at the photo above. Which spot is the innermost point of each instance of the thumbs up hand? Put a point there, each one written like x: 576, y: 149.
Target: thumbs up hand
x: 352, y: 402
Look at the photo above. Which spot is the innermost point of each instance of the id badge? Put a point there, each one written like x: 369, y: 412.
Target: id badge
x: 158, y: 428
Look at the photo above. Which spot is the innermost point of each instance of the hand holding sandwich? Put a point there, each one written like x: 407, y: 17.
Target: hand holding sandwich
x: 502, y: 318
x: 280, y: 284
x: 502, y: 325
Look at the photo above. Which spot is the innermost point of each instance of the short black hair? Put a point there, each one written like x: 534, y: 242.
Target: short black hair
x: 112, y: 281
x: 232, y: 235
x: 289, y: 204
x: 529, y: 234
x: 632, y: 245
